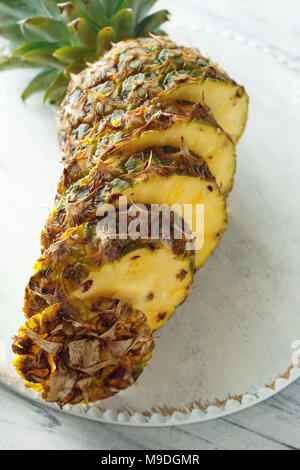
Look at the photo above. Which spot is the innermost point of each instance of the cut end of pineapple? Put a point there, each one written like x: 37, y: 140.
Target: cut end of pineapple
x: 71, y: 361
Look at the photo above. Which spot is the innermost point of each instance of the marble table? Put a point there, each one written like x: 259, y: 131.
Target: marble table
x: 273, y: 424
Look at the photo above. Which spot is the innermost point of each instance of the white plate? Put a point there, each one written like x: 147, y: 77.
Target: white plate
x: 227, y: 346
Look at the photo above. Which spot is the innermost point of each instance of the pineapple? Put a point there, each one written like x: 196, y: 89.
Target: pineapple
x: 139, y: 117
x: 63, y: 37
x: 155, y: 175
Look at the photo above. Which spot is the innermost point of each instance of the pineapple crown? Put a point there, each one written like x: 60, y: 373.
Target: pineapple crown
x: 60, y: 38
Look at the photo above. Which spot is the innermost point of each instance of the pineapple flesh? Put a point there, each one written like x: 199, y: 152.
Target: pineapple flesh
x: 146, y: 70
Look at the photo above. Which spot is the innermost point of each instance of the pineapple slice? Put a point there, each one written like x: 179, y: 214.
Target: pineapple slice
x: 227, y: 101
x: 72, y: 360
x: 159, y: 126
x: 147, y: 70
x: 158, y: 175
x: 152, y: 275
x: 151, y: 121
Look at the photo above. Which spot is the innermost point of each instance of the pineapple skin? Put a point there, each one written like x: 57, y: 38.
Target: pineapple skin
x: 110, y: 177
x: 146, y: 70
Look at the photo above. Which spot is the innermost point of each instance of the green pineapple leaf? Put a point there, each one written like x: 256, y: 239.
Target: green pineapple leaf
x: 93, y: 10
x: 152, y: 22
x: 47, y: 28
x: 140, y: 8
x: 7, y: 63
x: 74, y: 68
x: 43, y: 56
x: 30, y: 46
x: 110, y: 7
x: 68, y: 12
x: 51, y: 8
x: 14, y: 10
x: 14, y: 33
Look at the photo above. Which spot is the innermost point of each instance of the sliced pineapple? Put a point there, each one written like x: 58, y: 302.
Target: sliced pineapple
x: 156, y: 281
x: 86, y: 337
x: 143, y: 70
x: 208, y: 208
x: 156, y: 175
x: 149, y: 121
x: 74, y: 358
x: 152, y: 275
x: 159, y: 126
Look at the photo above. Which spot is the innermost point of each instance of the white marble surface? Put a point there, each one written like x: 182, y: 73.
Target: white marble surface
x: 274, y: 424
